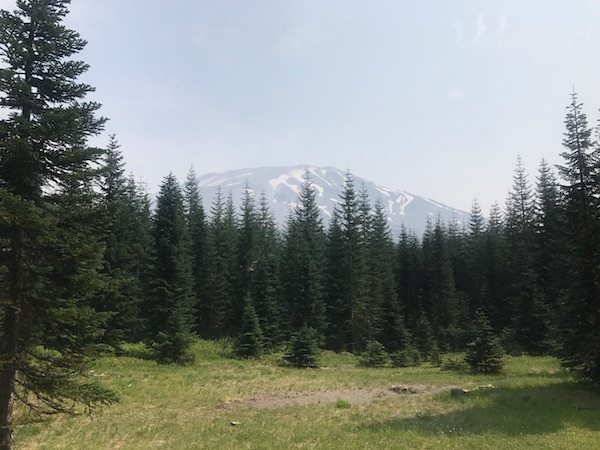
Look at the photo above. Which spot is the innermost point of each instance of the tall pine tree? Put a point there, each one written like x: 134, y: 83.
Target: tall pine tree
x: 216, y: 304
x: 387, y: 320
x: 410, y: 276
x: 529, y: 317
x: 121, y: 296
x: 198, y: 234
x: 549, y: 258
x: 266, y: 289
x: 170, y: 307
x: 581, y: 190
x: 302, y: 264
x: 50, y: 255
x: 440, y: 300
x: 349, y: 303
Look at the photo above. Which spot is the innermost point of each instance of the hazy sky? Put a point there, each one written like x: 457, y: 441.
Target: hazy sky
x: 434, y: 97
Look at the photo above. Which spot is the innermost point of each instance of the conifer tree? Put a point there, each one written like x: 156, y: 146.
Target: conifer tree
x: 339, y: 326
x: 456, y: 243
x: 122, y: 295
x: 266, y: 288
x: 410, y: 276
x: 250, y: 339
x: 198, y: 236
x: 529, y: 318
x: 352, y: 294
x: 581, y: 191
x: 424, y: 338
x: 478, y: 290
x: 385, y: 310
x: 216, y: 305
x: 440, y: 300
x: 141, y: 245
x: 484, y: 353
x: 304, y: 349
x: 247, y: 255
x: 231, y: 232
x: 374, y: 355
x: 171, y: 305
x: 495, y: 268
x: 549, y: 258
x: 50, y: 256
x: 303, y: 262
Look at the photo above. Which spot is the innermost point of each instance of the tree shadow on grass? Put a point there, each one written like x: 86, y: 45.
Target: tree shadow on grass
x: 509, y: 411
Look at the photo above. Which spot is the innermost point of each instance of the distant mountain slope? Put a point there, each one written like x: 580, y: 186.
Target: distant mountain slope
x: 282, y: 184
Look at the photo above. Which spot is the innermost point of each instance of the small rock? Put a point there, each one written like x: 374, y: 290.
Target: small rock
x: 233, y: 424
x: 399, y: 389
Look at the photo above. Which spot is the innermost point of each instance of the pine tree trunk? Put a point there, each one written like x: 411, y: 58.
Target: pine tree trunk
x: 10, y: 344
x: 7, y: 380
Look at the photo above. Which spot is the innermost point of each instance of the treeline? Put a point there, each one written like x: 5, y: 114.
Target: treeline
x: 532, y: 268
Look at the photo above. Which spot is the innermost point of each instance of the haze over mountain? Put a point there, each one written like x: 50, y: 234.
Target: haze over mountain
x: 281, y: 186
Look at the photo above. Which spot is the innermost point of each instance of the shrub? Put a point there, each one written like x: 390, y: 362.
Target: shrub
x: 484, y: 353
x: 304, y: 350
x: 250, y: 340
x: 409, y: 357
x: 454, y: 363
x: 435, y: 356
x: 173, y: 348
x: 374, y: 356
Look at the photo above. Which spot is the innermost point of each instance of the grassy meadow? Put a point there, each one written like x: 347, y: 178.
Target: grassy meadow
x: 220, y: 402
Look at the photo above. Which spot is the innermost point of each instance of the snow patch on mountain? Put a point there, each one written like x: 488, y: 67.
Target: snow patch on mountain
x: 281, y: 186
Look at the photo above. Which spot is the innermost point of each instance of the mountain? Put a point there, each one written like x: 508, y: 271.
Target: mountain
x: 282, y: 184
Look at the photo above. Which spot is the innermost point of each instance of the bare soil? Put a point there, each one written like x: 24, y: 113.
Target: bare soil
x: 353, y: 396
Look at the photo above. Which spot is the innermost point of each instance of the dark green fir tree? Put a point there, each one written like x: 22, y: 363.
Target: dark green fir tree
x: 247, y: 256
x: 302, y: 264
x: 266, y: 288
x: 386, y: 309
x: 140, y: 244
x: 374, y: 355
x: 170, y: 307
x: 339, y: 326
x: 231, y: 234
x: 216, y: 303
x: 250, y: 339
x: 304, y: 349
x: 348, y: 306
x: 197, y: 228
x: 529, y: 313
x: 50, y: 254
x: 550, y: 251
x: 409, y: 271
x: 477, y: 290
x: 484, y: 352
x: 440, y: 299
x: 581, y: 190
x: 495, y: 269
x: 424, y: 338
x: 121, y: 230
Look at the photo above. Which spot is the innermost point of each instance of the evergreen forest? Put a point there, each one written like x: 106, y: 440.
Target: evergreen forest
x: 88, y: 262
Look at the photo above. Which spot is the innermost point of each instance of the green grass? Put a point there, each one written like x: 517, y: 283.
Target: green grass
x: 532, y: 404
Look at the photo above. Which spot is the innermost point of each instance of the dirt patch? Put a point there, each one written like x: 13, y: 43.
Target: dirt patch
x: 353, y: 396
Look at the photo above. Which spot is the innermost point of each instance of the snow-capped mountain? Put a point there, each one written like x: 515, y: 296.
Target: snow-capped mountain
x: 281, y: 186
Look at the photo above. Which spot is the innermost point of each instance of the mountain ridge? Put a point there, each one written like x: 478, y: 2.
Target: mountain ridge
x: 281, y: 186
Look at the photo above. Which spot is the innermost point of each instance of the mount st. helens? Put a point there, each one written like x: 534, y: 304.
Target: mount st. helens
x: 282, y: 184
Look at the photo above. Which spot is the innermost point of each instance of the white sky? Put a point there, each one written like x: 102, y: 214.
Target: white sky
x: 434, y: 97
